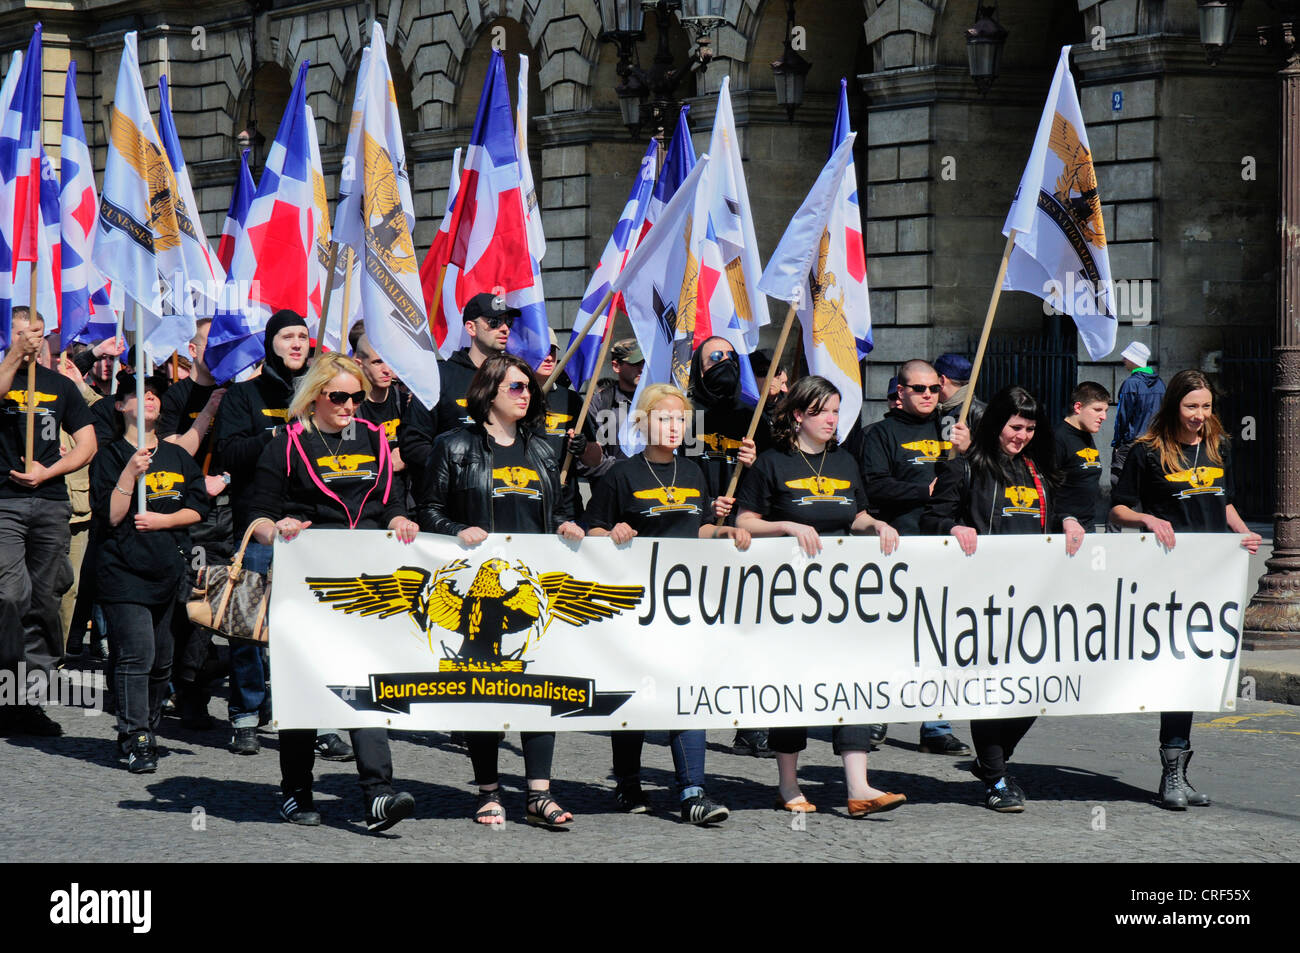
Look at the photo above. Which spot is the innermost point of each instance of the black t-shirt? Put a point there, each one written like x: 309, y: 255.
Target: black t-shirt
x: 107, y: 421
x: 1080, y: 465
x: 58, y: 405
x: 823, y: 490
x: 388, y: 414
x: 181, y: 406
x: 143, y: 568
x: 516, y: 491
x: 656, y: 499
x: 1194, y: 498
x: 716, y: 445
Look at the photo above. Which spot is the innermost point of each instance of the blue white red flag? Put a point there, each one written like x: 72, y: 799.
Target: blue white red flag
x: 20, y: 173
x: 241, y: 197
x: 438, y: 277
x: 627, y: 232
x: 848, y: 216
x: 78, y: 206
x: 275, y: 253
x: 530, y: 337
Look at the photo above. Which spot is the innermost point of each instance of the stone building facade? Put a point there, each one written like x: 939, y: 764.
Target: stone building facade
x: 1186, y: 153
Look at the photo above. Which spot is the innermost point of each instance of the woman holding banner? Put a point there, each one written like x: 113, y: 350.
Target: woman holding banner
x: 661, y: 494
x: 1184, y: 447
x: 500, y: 476
x: 1004, y: 484
x: 806, y: 487
x: 329, y: 469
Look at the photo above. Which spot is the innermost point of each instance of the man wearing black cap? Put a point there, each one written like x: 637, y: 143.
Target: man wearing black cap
x: 249, y: 416
x: 954, y: 372
x: 34, y: 516
x: 488, y: 320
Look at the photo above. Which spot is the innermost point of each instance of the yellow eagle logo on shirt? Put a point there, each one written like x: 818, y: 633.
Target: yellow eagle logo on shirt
x: 1198, y: 479
x: 485, y: 614
x: 344, y: 464
x: 555, y: 422
x: 719, y: 447
x: 515, y: 480
x: 929, y: 449
x: 820, y: 489
x: 671, y: 499
x: 1089, y: 455
x: 161, y: 484
x: 19, y: 397
x: 1023, y: 499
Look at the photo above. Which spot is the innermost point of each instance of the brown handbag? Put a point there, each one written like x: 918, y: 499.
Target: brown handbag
x: 230, y: 601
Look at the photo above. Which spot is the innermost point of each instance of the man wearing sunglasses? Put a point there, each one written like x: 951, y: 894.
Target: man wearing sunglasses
x: 897, y: 457
x: 488, y: 320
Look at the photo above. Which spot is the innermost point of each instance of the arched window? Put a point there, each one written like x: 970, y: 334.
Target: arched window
x: 261, y: 106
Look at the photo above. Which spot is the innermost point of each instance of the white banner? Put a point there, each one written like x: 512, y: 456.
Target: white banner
x: 533, y: 633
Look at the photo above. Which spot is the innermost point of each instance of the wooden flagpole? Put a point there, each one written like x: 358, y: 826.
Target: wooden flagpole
x: 984, y: 335
x: 139, y: 400
x: 347, y: 298
x: 762, y: 398
x: 577, y: 341
x: 325, y: 298
x: 605, y: 342
x: 31, y: 384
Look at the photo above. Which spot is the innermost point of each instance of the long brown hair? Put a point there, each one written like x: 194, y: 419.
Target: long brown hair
x: 1166, y: 426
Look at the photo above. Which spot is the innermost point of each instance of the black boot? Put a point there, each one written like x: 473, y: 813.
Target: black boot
x: 1172, y: 793
x: 1194, y: 797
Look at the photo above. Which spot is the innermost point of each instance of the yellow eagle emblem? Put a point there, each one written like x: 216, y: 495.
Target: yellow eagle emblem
x: 829, y: 327
x: 1199, y: 479
x: 1076, y: 186
x: 515, y: 480
x: 344, y: 463
x: 19, y: 397
x: 684, y: 337
x: 1022, y: 499
x: 555, y: 422
x: 820, y: 488
x: 388, y: 233
x: 152, y: 166
x: 930, y: 449
x: 1089, y: 455
x: 669, y: 497
x: 483, y: 615
x: 719, y: 445
x: 163, y: 483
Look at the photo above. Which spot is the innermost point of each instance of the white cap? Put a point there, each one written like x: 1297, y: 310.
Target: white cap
x: 1138, y: 353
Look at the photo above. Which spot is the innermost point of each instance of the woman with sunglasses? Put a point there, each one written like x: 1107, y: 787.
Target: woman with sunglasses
x: 329, y: 469
x: 660, y: 493
x: 1185, y: 445
x: 500, y: 476
x: 806, y: 487
x: 1003, y: 485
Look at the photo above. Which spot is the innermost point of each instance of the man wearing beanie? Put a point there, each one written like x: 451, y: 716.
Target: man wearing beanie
x: 1137, y: 402
x: 249, y: 415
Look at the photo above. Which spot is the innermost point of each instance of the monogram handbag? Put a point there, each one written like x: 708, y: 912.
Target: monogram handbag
x: 231, y: 601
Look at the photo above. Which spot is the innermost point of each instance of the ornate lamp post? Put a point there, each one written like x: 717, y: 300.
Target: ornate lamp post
x: 984, y: 41
x: 1273, y: 615
x: 790, y: 70
x: 1218, y: 23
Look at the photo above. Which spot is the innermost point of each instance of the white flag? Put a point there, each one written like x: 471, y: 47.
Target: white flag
x: 808, y: 270
x: 1060, y: 251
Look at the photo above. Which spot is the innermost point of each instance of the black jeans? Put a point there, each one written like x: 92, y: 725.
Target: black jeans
x: 140, y: 640
x: 844, y: 738
x: 34, y: 574
x: 1175, y: 729
x: 374, y: 761
x: 995, y: 740
x: 539, y: 750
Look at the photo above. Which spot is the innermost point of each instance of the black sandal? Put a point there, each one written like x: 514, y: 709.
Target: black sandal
x: 537, y: 815
x: 486, y: 798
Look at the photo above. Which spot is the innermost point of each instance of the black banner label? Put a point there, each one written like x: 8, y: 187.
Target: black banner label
x: 565, y: 696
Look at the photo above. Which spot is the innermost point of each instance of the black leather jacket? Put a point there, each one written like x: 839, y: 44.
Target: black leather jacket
x: 457, y: 493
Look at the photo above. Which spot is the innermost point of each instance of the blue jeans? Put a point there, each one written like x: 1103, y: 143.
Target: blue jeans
x: 250, y: 696
x: 935, y: 729
x: 688, y: 749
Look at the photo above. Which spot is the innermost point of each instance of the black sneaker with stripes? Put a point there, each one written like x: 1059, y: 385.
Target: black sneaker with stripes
x: 387, y: 809
x: 298, y: 808
x: 700, y: 809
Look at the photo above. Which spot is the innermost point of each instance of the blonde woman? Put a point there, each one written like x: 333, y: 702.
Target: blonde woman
x: 329, y: 469
x: 663, y: 494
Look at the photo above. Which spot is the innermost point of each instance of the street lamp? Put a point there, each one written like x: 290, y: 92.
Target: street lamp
x: 701, y: 18
x: 790, y: 70
x: 984, y: 42
x: 1218, y: 23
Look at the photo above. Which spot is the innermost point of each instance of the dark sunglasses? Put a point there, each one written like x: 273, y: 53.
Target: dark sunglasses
x: 517, y: 387
x: 340, y: 397
x: 716, y: 357
x: 922, y: 388
x: 497, y: 320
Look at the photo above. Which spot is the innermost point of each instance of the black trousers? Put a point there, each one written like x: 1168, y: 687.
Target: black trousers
x: 539, y: 750
x: 844, y: 738
x: 995, y: 740
x: 1175, y: 729
x: 140, y: 640
x: 374, y: 760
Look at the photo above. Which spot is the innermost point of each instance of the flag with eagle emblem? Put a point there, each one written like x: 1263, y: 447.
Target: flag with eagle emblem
x: 808, y: 270
x: 1060, y: 251
x: 379, y: 227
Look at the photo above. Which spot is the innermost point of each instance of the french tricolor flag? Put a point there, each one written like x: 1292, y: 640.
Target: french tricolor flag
x: 627, y: 232
x: 438, y: 277
x: 240, y: 199
x: 78, y: 206
x: 848, y: 216
x: 20, y: 175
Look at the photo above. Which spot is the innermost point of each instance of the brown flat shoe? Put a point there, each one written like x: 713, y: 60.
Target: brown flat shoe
x: 796, y: 807
x: 877, y: 805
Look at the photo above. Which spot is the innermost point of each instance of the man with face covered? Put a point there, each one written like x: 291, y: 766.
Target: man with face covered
x: 249, y: 416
